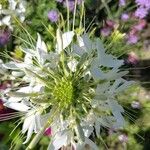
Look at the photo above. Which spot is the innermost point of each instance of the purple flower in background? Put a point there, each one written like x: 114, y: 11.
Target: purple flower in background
x: 124, y: 17
x: 122, y: 2
x: 132, y: 39
x: 59, y: 1
x: 105, y: 31
x: 79, y: 2
x: 71, y: 5
x: 123, y: 138
x: 143, y: 3
x: 141, y: 12
x: 135, y: 105
x: 4, y: 38
x: 53, y: 16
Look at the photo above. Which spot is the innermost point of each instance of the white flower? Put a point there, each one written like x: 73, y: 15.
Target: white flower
x: 72, y: 90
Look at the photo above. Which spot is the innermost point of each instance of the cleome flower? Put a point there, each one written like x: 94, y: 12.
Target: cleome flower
x: 71, y: 90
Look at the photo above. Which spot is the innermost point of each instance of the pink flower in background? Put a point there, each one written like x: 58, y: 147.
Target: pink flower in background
x: 3, y: 109
x: 5, y: 85
x: 141, y: 25
x: 133, y: 31
x: 132, y: 58
x: 110, y: 23
x: 105, y: 31
x: 48, y: 132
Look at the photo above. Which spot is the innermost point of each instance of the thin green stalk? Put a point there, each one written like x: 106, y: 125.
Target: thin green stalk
x: 74, y: 14
x: 107, y: 9
x: 82, y: 13
x: 68, y: 15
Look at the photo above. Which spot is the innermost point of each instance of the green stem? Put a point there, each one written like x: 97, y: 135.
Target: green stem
x: 74, y: 14
x: 107, y: 9
x: 68, y: 15
x: 81, y: 16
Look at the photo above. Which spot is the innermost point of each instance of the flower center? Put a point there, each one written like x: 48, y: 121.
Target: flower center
x: 63, y: 92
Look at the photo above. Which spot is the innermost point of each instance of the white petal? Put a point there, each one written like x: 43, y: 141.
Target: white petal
x: 88, y: 130
x: 26, y: 89
x: 17, y: 106
x: 38, y: 123
x: 14, y: 99
x: 67, y: 38
x: 28, y: 59
x: 59, y: 45
x: 77, y: 50
x: 72, y: 65
x: 12, y: 4
x: 87, y: 43
x: 30, y: 131
x: 10, y: 65
x: 21, y: 65
x: 80, y: 41
x: 28, y: 51
x: 41, y: 50
x: 38, y: 88
x: 106, y: 59
x: 117, y: 110
x: 17, y: 73
x: 125, y: 86
x: 27, y: 122
x: 6, y: 20
x: 60, y: 140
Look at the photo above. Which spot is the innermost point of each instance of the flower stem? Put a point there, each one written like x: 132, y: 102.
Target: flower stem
x: 68, y: 15
x: 74, y: 14
x: 107, y: 9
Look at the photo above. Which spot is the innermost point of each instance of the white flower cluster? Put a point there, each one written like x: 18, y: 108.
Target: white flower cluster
x: 71, y: 90
x: 15, y: 7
